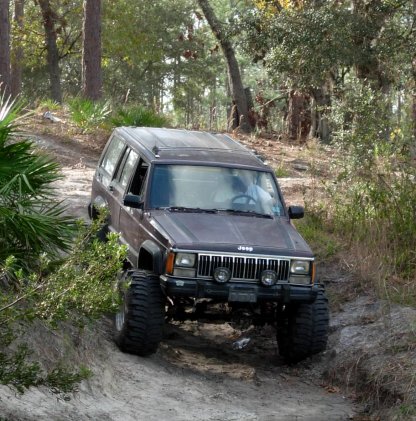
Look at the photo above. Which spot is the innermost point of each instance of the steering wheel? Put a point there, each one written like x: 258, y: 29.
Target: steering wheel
x: 244, y: 196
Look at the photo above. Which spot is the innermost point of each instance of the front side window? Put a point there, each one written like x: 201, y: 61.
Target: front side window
x: 219, y: 188
x: 128, y: 169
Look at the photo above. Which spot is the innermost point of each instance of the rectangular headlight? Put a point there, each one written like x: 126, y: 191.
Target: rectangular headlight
x: 186, y: 260
x: 300, y: 267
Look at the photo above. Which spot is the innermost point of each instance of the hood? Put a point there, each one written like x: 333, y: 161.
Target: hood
x: 231, y: 233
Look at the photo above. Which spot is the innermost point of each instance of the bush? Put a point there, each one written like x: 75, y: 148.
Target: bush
x: 34, y: 285
x: 137, y: 116
x: 373, y: 199
x: 79, y: 290
x: 87, y: 114
x: 31, y: 219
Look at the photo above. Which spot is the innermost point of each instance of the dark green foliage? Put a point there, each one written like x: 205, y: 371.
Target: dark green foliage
x: 33, y: 287
x: 320, y: 41
x: 87, y: 114
x: 31, y: 219
x: 17, y: 371
x: 374, y: 198
x: 138, y: 116
x: 62, y: 380
x: 80, y: 289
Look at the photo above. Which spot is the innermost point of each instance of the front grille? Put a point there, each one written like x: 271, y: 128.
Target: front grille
x: 243, y: 268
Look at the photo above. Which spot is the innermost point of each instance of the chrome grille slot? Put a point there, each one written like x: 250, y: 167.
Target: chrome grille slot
x: 242, y: 268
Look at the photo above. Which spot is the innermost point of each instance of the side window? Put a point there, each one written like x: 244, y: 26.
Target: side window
x: 128, y: 168
x: 110, y: 160
x: 139, y: 178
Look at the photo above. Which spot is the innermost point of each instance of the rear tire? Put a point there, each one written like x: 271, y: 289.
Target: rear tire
x: 302, y: 330
x: 138, y: 326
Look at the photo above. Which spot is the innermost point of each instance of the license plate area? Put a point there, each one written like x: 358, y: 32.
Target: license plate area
x: 243, y: 295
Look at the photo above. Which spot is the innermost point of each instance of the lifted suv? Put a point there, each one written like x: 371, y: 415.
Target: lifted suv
x: 208, y: 236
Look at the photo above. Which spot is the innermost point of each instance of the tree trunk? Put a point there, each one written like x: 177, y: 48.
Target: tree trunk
x: 91, y: 50
x: 239, y: 99
x: 5, y: 77
x: 17, y: 51
x: 49, y: 19
x: 299, y: 116
x: 320, y: 123
x: 413, y: 143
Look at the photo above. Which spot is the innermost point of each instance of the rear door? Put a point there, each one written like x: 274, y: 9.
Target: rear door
x: 120, y: 182
x: 103, y: 184
x: 131, y: 220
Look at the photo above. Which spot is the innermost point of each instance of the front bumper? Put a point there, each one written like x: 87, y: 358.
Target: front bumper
x: 238, y: 292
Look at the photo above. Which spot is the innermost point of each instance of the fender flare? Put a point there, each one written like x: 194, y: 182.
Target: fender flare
x: 98, y: 203
x: 156, y: 254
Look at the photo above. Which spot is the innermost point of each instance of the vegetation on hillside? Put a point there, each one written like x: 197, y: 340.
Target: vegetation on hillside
x: 38, y: 283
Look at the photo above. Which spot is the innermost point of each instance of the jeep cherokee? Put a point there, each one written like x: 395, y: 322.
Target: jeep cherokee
x: 208, y: 235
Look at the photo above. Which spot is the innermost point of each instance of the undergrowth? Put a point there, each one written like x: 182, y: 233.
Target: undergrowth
x: 78, y: 290
x: 137, y: 116
x: 88, y: 115
x: 371, y: 201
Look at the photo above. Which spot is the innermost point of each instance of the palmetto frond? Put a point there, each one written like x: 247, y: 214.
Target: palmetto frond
x: 32, y: 221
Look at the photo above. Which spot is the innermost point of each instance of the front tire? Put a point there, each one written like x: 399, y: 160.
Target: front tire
x: 138, y: 326
x: 302, y: 330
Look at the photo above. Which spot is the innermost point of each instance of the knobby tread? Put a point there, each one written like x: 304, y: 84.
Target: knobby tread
x: 144, y: 316
x: 302, y: 330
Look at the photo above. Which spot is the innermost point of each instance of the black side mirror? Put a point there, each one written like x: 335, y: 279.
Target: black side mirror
x: 296, y: 212
x: 133, y: 201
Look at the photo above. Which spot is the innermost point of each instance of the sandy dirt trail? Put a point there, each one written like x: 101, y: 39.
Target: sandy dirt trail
x: 196, y: 374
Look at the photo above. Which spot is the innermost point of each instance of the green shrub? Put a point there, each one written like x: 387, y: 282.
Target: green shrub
x: 373, y: 199
x: 313, y: 230
x: 80, y: 289
x: 281, y: 171
x: 34, y: 284
x: 49, y: 104
x: 87, y: 114
x: 31, y: 218
x: 137, y: 116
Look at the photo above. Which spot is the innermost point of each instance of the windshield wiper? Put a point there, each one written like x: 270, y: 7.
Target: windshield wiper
x: 247, y: 213
x: 190, y: 210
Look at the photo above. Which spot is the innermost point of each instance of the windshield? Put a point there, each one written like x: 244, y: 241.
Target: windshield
x: 214, y: 188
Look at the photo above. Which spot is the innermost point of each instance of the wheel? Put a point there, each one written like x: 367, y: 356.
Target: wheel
x: 302, y: 330
x: 138, y: 325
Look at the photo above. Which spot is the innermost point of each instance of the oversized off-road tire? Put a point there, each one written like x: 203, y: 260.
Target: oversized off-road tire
x: 302, y: 329
x: 138, y: 326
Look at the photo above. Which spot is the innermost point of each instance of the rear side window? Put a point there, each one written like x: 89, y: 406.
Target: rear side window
x: 128, y: 169
x: 111, y: 158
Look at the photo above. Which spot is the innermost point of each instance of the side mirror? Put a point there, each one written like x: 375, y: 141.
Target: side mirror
x: 133, y: 201
x: 296, y: 212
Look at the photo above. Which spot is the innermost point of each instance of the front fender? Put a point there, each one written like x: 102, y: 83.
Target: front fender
x: 151, y: 257
x: 94, y: 207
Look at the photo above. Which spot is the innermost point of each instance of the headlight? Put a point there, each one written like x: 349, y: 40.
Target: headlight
x: 300, y: 267
x: 186, y: 260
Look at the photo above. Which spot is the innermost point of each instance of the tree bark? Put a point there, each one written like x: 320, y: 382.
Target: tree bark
x: 299, y: 116
x: 320, y: 123
x: 17, y: 50
x: 413, y: 144
x: 91, y: 50
x: 49, y: 20
x: 5, y: 77
x: 237, y: 90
